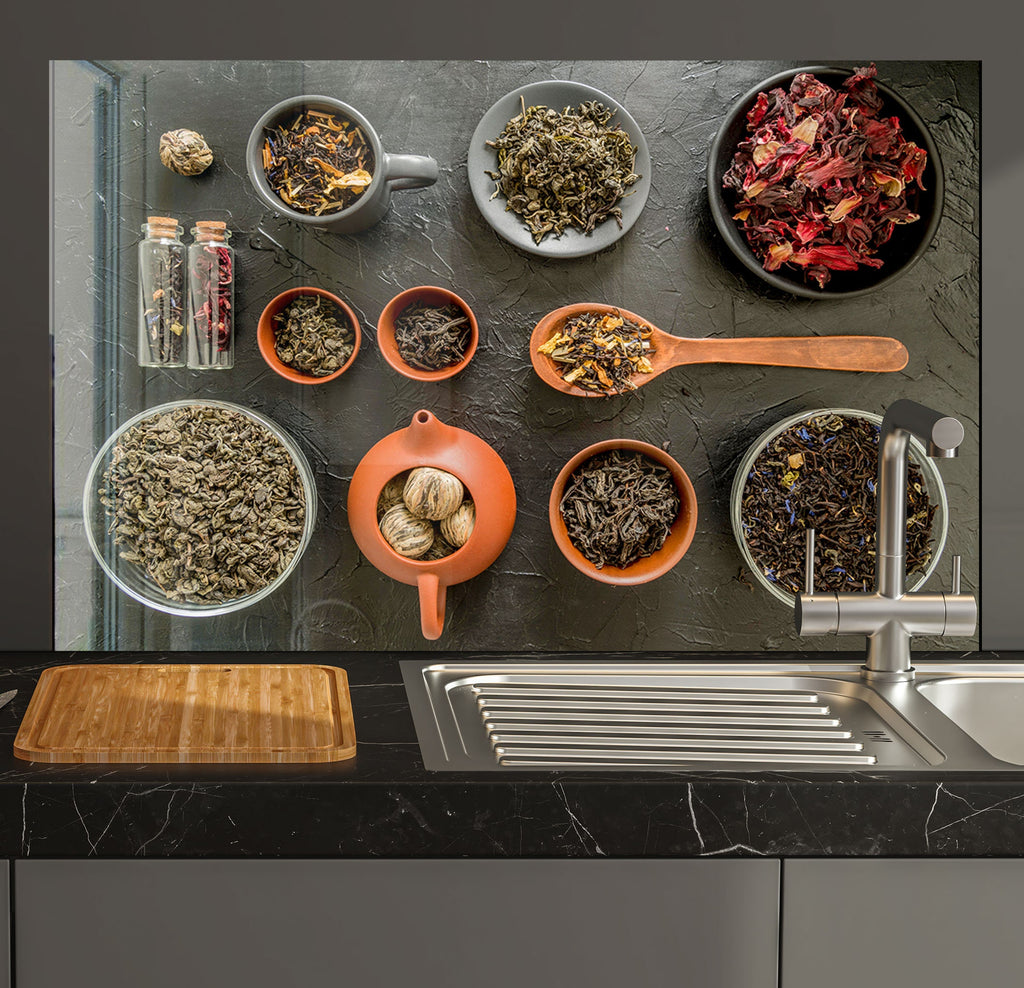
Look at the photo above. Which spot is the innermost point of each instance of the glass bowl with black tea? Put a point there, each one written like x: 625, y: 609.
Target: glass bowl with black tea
x: 198, y: 508
x: 623, y: 512
x: 818, y: 469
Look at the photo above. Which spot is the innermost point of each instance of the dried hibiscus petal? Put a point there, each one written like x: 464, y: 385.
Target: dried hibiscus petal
x: 821, y: 179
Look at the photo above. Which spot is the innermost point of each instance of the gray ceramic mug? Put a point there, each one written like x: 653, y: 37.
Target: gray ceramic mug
x: 390, y: 172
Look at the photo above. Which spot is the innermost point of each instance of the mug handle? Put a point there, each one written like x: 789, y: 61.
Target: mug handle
x: 432, y: 599
x: 409, y: 171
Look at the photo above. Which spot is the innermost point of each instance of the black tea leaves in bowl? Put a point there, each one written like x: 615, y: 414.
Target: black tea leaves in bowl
x: 619, y: 507
x: 432, y: 337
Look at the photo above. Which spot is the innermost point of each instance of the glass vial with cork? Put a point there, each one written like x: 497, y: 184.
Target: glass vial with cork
x: 161, y: 340
x: 211, y: 291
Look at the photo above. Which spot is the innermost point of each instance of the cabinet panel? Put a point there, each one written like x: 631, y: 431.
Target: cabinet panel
x: 940, y: 923
x: 5, y: 924
x: 391, y: 924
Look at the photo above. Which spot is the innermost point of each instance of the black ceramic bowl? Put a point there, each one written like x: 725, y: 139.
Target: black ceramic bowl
x: 907, y: 243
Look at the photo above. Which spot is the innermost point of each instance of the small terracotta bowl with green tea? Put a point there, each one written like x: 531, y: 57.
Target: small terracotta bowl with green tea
x: 267, y: 330
x: 645, y: 568
x: 433, y: 297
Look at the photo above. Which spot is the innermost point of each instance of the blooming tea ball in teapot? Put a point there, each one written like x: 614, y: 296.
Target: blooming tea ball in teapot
x: 432, y: 493
x: 392, y: 493
x: 458, y: 526
x: 439, y: 549
x: 408, y: 535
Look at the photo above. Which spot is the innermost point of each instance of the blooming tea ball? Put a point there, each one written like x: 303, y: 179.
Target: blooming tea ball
x: 391, y: 494
x: 432, y: 493
x: 458, y: 526
x: 438, y: 550
x: 185, y: 152
x: 408, y: 535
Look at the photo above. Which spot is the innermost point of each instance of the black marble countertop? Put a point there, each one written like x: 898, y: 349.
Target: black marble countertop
x: 384, y: 803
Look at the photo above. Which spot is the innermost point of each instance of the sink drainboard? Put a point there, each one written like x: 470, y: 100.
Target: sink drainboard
x: 548, y: 725
x: 487, y: 716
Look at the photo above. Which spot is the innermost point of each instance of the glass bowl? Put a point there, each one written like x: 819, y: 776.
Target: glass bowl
x: 917, y: 456
x: 133, y: 579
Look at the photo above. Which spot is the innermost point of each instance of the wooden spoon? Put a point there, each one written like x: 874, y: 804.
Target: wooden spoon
x: 846, y: 353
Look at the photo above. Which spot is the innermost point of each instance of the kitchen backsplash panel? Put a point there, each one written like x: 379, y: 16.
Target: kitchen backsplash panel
x: 672, y: 267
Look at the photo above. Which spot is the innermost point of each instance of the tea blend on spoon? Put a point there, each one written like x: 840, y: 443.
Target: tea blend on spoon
x: 600, y: 352
x: 313, y: 336
x: 568, y: 169
x: 618, y: 507
x: 432, y: 337
x: 821, y: 474
x: 317, y: 164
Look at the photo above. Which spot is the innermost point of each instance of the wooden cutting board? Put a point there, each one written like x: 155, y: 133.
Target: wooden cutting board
x: 188, y: 713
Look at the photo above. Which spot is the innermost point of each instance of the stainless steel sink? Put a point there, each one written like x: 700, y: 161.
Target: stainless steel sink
x: 990, y: 710
x: 591, y: 715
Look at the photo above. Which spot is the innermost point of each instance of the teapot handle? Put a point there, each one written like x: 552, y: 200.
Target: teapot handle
x: 432, y: 600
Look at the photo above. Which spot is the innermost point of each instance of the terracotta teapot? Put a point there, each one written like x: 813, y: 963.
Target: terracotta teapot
x: 427, y: 441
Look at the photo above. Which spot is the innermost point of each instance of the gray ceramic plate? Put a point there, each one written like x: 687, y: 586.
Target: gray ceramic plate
x: 572, y: 243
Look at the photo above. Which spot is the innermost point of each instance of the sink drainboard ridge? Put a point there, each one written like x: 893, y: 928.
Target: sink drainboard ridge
x: 546, y: 724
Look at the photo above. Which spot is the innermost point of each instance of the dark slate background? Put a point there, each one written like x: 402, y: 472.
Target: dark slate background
x: 671, y: 267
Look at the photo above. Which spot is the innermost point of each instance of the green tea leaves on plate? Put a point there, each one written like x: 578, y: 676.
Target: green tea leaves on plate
x: 560, y: 170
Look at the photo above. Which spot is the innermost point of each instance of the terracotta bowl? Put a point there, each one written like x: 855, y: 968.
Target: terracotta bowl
x: 265, y: 335
x: 431, y: 295
x: 645, y: 569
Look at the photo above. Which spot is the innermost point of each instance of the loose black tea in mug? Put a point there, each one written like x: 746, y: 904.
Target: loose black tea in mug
x: 619, y: 507
x: 568, y: 169
x: 821, y: 474
x: 313, y: 336
x: 317, y: 164
x: 432, y: 337
x: 600, y: 352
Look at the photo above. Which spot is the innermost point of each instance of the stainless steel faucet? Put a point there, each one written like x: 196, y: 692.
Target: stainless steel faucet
x: 890, y: 616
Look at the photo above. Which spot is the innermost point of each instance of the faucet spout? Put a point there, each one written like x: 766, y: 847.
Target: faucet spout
x: 890, y: 616
x: 942, y: 436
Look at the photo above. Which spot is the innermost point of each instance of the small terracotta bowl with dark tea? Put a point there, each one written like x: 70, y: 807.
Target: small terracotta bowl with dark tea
x: 266, y: 329
x: 646, y: 568
x: 433, y: 296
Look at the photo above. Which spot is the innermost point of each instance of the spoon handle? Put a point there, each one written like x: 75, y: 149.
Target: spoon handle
x: 847, y: 353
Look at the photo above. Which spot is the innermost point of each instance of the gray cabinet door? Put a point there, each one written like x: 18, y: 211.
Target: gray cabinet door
x: 397, y: 923
x: 5, y: 924
x: 883, y: 922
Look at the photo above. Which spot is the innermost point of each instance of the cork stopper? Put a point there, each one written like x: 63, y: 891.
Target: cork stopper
x: 210, y: 230
x: 161, y: 226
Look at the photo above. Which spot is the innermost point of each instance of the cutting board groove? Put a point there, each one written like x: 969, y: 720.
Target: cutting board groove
x: 188, y: 713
